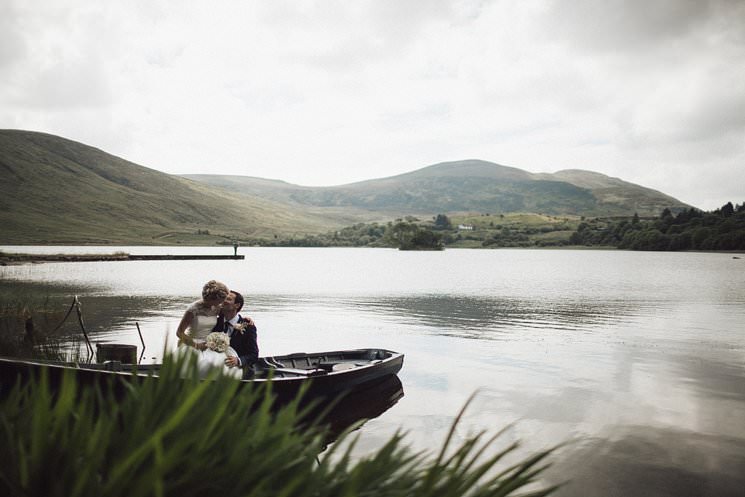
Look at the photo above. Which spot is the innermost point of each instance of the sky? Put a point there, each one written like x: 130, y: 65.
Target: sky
x: 324, y: 93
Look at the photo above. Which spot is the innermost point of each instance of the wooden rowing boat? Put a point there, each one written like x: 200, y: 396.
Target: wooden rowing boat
x: 322, y: 374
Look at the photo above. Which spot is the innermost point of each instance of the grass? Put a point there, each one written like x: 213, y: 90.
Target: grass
x: 517, y: 229
x: 30, y: 328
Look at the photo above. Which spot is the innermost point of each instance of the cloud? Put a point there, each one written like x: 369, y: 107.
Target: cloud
x: 333, y: 92
x: 631, y: 27
x: 12, y: 44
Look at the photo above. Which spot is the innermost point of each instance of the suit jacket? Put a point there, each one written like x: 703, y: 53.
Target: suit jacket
x: 244, y: 343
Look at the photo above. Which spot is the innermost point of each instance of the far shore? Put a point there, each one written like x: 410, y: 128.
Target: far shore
x: 10, y: 259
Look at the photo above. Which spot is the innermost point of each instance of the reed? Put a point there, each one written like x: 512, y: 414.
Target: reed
x: 182, y: 436
x: 30, y: 328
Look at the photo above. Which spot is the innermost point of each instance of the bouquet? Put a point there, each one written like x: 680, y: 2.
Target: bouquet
x: 218, y: 341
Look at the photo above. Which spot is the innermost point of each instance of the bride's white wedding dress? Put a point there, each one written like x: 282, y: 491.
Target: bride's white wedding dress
x: 210, y: 359
x: 204, y: 318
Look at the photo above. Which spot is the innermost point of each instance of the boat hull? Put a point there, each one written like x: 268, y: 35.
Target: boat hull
x: 322, y: 374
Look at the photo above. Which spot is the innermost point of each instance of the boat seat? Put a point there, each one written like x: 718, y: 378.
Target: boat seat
x: 300, y: 372
x: 336, y: 366
x: 269, y: 363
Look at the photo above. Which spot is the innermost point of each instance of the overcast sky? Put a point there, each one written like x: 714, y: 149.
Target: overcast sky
x: 331, y: 92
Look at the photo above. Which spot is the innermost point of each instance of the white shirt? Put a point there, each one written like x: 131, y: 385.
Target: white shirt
x: 232, y: 323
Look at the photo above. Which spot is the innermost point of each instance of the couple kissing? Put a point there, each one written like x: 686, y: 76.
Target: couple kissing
x: 214, y: 327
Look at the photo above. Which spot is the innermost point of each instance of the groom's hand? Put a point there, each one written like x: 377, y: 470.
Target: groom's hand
x: 232, y: 362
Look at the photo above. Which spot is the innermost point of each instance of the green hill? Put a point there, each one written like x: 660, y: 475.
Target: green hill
x: 59, y: 191
x: 467, y: 186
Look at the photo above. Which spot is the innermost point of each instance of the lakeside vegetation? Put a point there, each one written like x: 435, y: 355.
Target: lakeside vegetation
x: 454, y: 231
x: 722, y: 229
x: 30, y: 327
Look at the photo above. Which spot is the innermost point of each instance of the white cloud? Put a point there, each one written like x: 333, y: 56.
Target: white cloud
x: 331, y: 92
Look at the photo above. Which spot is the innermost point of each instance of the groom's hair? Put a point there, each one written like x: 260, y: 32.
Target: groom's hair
x: 238, y: 300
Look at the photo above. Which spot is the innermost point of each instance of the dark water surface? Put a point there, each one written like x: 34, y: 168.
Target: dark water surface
x: 636, y: 359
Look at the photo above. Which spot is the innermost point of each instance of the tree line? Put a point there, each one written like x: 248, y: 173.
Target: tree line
x: 691, y: 229
x: 406, y: 233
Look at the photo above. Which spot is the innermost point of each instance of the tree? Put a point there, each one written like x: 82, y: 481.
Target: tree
x: 409, y: 236
x: 442, y: 222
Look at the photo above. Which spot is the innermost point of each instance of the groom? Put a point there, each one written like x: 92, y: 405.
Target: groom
x: 241, y: 331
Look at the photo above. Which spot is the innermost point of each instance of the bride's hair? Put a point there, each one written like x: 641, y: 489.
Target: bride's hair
x: 214, y: 289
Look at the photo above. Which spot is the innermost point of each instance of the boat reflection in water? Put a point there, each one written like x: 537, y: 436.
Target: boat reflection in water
x: 361, y: 404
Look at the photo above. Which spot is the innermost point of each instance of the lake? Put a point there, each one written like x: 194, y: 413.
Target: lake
x: 637, y: 359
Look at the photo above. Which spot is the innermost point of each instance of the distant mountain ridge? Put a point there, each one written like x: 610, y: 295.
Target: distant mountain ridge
x: 468, y: 186
x: 58, y: 191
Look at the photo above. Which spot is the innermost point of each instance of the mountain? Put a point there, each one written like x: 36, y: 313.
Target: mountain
x: 56, y: 190
x: 466, y: 186
x: 59, y: 191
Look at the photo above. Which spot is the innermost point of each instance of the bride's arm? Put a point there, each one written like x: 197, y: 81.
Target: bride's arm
x: 182, y: 326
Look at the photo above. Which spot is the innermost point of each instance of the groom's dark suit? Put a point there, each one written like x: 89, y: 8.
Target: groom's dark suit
x: 243, y: 342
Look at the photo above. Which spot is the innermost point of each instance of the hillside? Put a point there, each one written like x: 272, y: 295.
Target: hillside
x: 467, y: 186
x: 59, y: 191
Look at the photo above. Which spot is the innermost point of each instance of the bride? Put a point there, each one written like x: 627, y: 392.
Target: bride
x: 201, y: 316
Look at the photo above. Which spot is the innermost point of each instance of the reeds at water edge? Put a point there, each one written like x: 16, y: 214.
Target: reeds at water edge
x: 30, y: 328
x: 181, y: 436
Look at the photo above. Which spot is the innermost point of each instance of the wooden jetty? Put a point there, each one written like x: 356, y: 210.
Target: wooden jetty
x: 183, y: 257
x: 6, y: 259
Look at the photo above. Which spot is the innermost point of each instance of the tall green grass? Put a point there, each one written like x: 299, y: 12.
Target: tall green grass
x: 30, y: 327
x: 183, y: 437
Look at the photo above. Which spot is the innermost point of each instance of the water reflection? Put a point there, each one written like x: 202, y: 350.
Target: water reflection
x: 723, y: 379
x: 361, y: 405
x: 469, y: 316
x: 654, y: 462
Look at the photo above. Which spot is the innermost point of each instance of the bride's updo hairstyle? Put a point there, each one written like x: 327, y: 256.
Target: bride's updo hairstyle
x: 214, y: 290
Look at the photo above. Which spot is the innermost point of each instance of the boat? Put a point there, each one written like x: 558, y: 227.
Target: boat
x: 322, y: 374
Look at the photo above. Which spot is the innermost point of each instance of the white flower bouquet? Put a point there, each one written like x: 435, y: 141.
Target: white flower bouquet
x: 217, y: 341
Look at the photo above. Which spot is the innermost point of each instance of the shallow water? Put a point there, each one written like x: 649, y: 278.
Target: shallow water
x: 637, y: 358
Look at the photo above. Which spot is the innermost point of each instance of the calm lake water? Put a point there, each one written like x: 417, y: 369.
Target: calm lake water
x: 636, y: 358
